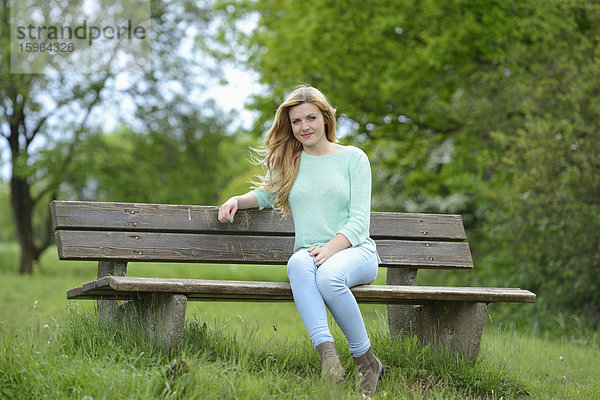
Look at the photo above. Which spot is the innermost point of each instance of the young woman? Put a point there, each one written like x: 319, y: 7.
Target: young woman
x: 327, y: 187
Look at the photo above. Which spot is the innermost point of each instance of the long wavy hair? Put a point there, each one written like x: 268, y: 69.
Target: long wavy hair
x: 280, y: 153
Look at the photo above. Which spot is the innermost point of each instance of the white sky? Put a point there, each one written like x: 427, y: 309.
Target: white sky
x: 234, y: 96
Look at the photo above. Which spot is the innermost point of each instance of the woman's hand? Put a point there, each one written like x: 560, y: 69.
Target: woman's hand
x: 228, y: 210
x: 230, y: 207
x: 321, y: 254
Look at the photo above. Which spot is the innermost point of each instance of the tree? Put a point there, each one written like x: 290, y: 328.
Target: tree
x: 44, y: 117
x: 7, y: 231
x: 456, y: 101
x: 25, y: 116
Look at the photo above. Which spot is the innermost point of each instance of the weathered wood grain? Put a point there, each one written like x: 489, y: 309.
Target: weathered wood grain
x: 239, y: 249
x: 198, y: 289
x: 81, y: 215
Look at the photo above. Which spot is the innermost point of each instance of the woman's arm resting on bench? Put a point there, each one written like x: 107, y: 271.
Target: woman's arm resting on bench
x: 229, y: 208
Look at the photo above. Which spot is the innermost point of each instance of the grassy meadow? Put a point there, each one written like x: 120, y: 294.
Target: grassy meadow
x: 56, y: 349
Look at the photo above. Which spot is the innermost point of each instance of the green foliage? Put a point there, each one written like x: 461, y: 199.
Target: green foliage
x: 156, y: 168
x: 484, y: 108
x: 543, y: 184
x: 553, y: 214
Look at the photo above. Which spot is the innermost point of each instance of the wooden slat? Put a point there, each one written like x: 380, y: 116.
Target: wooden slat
x: 400, y: 253
x: 239, y: 249
x: 196, y: 289
x: 163, y: 217
x: 176, y: 247
x: 81, y: 215
x: 447, y: 227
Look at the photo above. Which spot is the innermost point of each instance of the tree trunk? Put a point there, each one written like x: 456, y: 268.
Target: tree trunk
x: 22, y: 205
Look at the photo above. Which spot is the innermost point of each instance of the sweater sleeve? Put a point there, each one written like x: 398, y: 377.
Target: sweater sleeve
x: 356, y: 229
x: 265, y: 199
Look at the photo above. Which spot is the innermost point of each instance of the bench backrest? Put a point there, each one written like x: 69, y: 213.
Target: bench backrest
x: 178, y: 233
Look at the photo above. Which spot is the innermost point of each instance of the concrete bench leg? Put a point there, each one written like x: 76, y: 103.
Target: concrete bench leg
x: 455, y: 326
x: 400, y: 316
x: 162, y: 316
x: 452, y: 326
x: 109, y: 310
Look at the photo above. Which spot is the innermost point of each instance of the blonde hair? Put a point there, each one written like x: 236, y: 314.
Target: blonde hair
x: 280, y: 153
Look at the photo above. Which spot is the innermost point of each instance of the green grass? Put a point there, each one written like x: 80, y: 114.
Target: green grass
x: 53, y: 348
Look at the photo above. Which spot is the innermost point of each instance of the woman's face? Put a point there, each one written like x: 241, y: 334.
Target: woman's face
x: 308, y: 125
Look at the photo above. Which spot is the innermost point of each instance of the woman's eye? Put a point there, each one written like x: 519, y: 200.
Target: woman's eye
x: 295, y: 121
x: 312, y: 117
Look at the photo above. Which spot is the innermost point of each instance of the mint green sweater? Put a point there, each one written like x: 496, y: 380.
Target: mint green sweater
x: 331, y: 194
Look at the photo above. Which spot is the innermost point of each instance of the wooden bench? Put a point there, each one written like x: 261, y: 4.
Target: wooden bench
x: 117, y: 233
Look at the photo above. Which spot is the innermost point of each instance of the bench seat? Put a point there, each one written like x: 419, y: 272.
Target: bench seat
x: 125, y: 287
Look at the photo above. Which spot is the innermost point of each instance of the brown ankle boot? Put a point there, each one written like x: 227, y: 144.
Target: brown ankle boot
x: 330, y: 360
x: 369, y: 370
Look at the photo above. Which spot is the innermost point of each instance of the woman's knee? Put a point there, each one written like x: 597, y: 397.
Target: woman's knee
x: 329, y: 282
x: 300, y: 263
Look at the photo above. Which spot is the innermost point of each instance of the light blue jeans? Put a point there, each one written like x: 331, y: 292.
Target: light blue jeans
x: 329, y: 285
